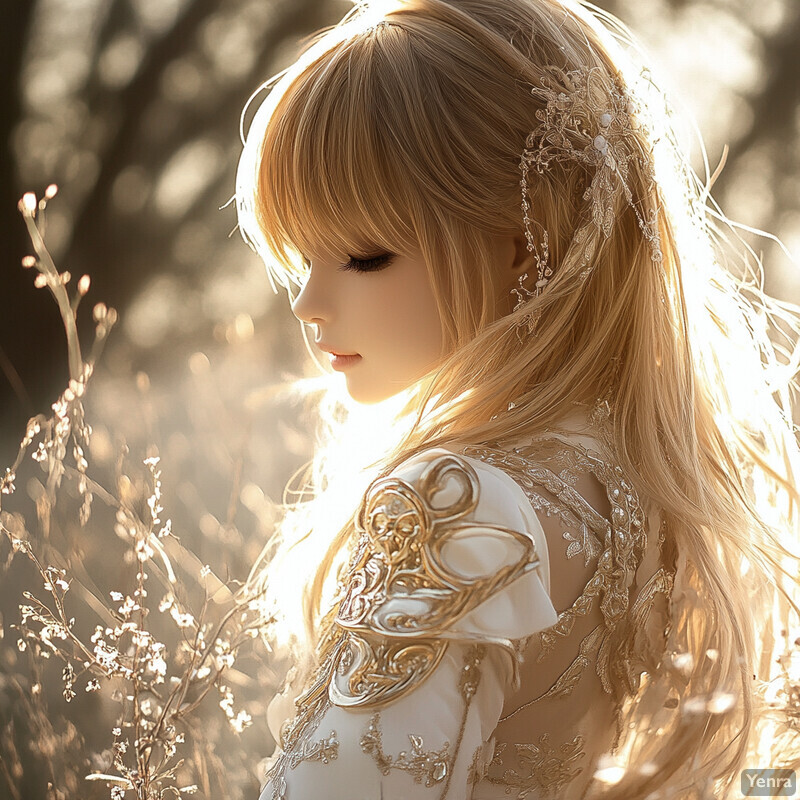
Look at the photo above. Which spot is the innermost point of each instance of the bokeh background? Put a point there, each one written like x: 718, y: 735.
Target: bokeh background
x: 132, y: 107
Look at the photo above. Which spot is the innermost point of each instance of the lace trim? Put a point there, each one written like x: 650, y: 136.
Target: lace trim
x: 566, y: 682
x: 539, y: 766
x: 624, y: 537
x: 547, y: 470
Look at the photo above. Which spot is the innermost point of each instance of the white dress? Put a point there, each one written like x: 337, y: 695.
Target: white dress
x: 446, y: 670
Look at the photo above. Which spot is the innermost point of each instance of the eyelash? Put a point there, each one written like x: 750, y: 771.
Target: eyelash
x: 374, y: 264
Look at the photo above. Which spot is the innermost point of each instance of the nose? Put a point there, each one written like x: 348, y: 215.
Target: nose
x: 309, y: 305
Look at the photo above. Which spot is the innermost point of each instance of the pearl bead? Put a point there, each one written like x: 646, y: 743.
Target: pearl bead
x: 600, y: 143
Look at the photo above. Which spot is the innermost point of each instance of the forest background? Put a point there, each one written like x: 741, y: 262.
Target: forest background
x: 132, y: 108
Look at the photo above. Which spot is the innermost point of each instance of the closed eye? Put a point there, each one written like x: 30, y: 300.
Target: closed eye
x: 372, y: 264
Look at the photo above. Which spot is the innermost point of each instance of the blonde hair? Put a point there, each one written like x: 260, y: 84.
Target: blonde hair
x: 403, y: 126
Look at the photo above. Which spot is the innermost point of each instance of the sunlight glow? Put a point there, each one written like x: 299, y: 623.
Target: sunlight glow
x: 186, y: 175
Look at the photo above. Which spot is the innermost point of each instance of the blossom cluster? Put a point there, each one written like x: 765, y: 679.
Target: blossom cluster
x: 151, y: 653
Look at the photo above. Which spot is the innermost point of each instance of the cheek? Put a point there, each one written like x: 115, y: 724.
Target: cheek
x: 413, y: 319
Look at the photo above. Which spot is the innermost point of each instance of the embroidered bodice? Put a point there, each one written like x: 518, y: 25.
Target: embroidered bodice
x: 501, y: 602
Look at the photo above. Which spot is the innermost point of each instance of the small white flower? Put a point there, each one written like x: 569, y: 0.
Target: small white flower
x: 241, y: 721
x: 181, y: 620
x: 158, y: 666
x: 7, y: 483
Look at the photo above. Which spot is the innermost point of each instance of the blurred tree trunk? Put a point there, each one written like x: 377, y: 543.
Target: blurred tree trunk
x: 32, y: 357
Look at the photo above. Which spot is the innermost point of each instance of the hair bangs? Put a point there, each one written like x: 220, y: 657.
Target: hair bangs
x: 326, y: 176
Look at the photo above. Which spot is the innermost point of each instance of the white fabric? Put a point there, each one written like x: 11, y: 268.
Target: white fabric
x: 433, y: 710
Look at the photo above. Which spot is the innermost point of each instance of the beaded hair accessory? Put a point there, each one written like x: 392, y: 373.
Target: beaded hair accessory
x: 591, y: 121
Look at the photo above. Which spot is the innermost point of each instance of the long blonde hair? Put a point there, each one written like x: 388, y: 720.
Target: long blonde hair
x: 403, y: 126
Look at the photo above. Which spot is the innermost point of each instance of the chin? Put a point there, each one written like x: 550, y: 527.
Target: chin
x: 371, y: 395
x: 368, y: 398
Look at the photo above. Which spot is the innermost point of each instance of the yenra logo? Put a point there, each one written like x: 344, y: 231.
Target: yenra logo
x: 769, y: 783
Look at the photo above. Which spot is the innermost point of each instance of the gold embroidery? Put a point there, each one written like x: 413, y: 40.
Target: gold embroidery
x: 324, y: 750
x: 402, y: 586
x: 397, y: 556
x: 310, y: 707
x: 539, y: 766
x: 470, y: 674
x: 588, y: 544
x: 547, y: 470
x: 468, y: 686
x: 432, y: 765
x: 650, y: 636
x: 474, y: 771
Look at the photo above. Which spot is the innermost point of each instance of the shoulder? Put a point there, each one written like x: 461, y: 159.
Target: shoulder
x: 442, y: 496
x: 448, y: 485
x: 445, y: 553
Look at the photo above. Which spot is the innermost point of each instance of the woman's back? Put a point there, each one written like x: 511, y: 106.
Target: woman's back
x: 554, y: 729
x: 547, y: 734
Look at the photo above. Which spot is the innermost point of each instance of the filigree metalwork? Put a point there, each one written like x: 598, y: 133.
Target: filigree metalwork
x: 403, y: 587
x: 371, y: 670
x: 370, y: 653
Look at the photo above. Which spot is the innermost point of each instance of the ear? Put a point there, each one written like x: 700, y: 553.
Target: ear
x: 517, y: 259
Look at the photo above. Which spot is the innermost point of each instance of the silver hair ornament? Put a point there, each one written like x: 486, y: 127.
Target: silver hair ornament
x: 592, y: 122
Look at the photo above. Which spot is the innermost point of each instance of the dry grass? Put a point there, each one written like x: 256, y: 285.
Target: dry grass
x: 123, y: 639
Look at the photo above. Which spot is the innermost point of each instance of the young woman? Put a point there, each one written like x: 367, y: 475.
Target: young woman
x: 545, y: 545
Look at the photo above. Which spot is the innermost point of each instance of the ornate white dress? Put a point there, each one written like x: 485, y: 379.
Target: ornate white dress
x: 496, y: 600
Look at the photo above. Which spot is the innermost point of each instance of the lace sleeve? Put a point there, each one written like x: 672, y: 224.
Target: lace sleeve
x: 448, y: 576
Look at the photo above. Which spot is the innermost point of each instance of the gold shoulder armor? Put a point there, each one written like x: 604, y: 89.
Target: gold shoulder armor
x: 410, y: 582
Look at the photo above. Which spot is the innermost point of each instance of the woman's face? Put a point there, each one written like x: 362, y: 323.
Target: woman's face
x: 378, y: 307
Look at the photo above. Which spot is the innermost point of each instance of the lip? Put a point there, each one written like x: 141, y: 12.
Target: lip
x: 340, y: 360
